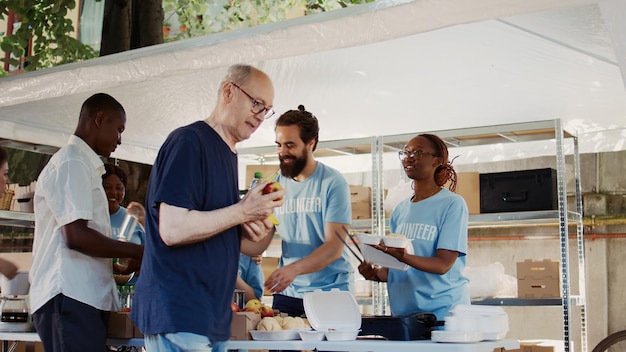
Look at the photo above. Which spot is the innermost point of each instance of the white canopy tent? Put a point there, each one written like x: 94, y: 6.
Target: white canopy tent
x: 383, y: 68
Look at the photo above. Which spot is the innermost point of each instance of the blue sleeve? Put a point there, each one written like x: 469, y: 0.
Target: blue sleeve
x: 339, y: 209
x: 183, y: 184
x: 252, y: 274
x: 454, y: 227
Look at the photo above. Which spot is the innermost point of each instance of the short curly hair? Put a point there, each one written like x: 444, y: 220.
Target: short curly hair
x: 111, y: 169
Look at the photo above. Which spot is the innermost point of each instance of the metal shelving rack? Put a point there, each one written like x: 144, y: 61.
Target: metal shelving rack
x: 17, y: 219
x: 515, y: 133
x: 476, y: 136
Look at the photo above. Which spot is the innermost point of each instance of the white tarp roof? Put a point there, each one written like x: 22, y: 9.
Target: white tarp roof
x: 382, y: 68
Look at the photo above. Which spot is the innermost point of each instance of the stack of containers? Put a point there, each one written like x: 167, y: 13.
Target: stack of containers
x: 476, y: 323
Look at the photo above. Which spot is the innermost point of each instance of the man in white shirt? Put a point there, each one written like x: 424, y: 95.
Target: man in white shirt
x: 72, y: 289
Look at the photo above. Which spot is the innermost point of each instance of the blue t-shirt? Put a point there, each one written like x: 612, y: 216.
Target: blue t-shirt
x: 117, y: 219
x: 188, y: 288
x: 252, y: 274
x: 436, y: 222
x: 323, y: 197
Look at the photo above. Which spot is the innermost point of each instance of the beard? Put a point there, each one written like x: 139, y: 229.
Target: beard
x: 294, y: 169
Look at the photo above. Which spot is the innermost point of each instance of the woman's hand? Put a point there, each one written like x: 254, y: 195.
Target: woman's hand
x: 370, y: 271
x: 395, y: 252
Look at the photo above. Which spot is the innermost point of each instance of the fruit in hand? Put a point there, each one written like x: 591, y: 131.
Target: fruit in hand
x: 272, y: 187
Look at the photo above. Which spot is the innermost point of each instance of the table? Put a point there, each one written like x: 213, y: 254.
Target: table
x: 373, y: 345
x: 358, y: 345
x: 7, y: 337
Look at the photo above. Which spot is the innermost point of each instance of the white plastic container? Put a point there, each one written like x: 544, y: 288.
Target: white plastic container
x: 397, y: 242
x: 335, y: 313
x: 491, y: 321
x: 311, y: 335
x: 366, y: 238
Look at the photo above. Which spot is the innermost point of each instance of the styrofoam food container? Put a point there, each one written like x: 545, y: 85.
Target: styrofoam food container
x: 398, y: 242
x: 341, y: 335
x: 367, y: 238
x: 461, y: 323
x: 276, y: 335
x: 491, y: 321
x: 332, y: 310
x: 456, y: 336
x: 311, y: 335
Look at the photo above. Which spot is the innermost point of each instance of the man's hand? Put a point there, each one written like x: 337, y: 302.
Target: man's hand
x: 257, y: 206
x: 281, y: 278
x: 7, y: 268
x: 126, y: 266
x: 257, y: 230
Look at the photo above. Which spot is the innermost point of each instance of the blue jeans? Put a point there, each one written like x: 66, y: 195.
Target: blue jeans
x: 181, y: 342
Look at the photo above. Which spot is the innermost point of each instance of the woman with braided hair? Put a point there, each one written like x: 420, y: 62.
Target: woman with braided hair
x: 434, y: 219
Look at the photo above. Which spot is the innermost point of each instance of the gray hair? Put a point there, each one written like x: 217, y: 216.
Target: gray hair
x: 238, y: 73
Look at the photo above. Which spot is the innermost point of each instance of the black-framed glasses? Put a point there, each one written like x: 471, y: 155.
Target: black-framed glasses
x: 257, y: 106
x: 416, y: 154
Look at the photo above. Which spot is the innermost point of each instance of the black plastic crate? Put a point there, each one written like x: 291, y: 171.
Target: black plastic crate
x: 526, y: 190
x: 416, y: 326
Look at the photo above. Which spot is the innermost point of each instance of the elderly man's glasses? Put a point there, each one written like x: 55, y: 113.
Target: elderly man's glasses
x: 416, y: 154
x: 257, y: 106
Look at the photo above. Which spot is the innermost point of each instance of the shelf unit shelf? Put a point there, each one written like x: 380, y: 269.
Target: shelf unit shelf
x: 562, y: 217
x: 17, y: 219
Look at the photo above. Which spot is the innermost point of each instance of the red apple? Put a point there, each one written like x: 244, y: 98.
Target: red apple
x: 234, y: 306
x: 267, y: 311
x: 271, y: 187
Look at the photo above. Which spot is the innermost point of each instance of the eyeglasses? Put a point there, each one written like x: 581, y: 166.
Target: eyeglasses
x: 416, y: 154
x: 257, y: 106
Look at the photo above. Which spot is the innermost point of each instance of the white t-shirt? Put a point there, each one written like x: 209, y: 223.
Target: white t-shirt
x: 70, y: 188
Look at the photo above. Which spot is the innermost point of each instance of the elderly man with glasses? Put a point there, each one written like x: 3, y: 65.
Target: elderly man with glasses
x: 196, y: 225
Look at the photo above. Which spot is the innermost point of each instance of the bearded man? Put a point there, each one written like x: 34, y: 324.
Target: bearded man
x: 316, y: 207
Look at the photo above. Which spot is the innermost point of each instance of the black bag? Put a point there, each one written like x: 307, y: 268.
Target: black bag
x: 415, y: 326
x: 526, y: 190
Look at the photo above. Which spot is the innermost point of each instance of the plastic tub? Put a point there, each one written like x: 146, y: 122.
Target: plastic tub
x: 311, y: 335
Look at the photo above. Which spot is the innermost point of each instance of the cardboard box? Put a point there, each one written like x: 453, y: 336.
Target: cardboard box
x: 360, y: 194
x: 536, y: 346
x: 242, y: 323
x: 538, y: 288
x: 468, y: 187
x: 538, y: 269
x: 361, y: 210
x: 121, y: 327
x: 538, y: 279
x: 24, y: 346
